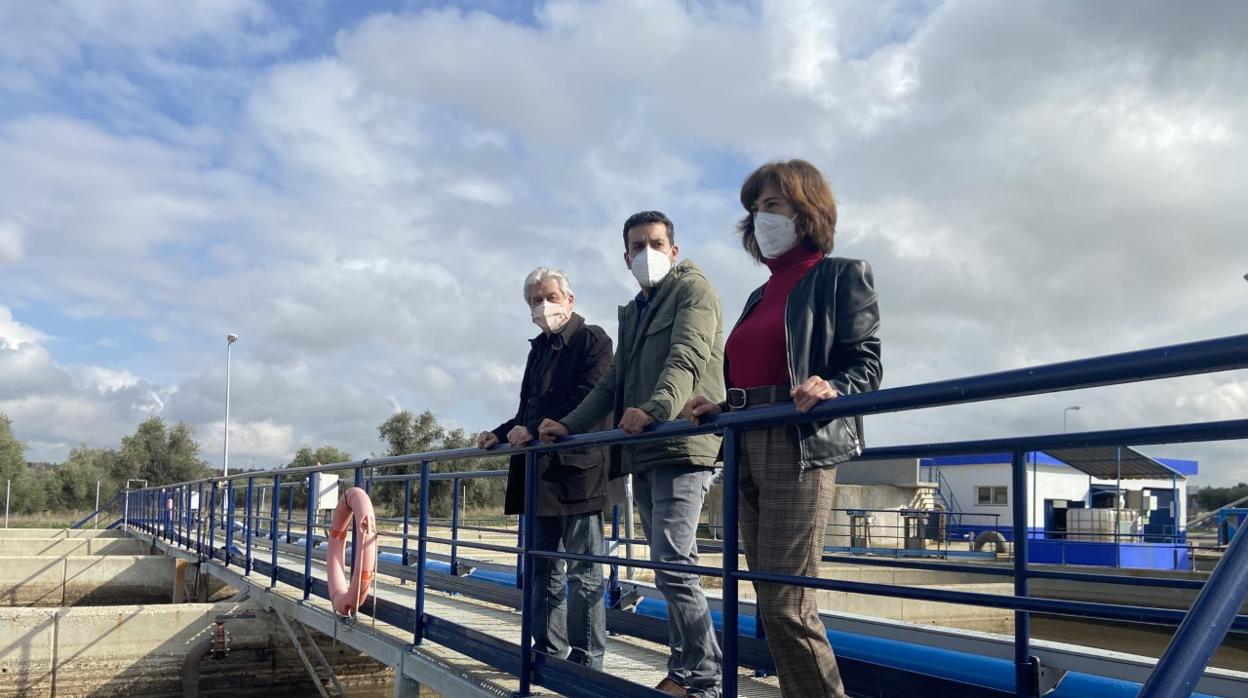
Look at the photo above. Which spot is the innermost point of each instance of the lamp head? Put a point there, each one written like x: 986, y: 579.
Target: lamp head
x: 231, y: 338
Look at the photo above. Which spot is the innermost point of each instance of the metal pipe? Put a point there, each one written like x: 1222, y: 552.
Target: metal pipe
x: 1207, y: 356
x: 454, y: 524
x: 96, y: 523
x: 407, y: 517
x: 729, y: 491
x: 290, y: 508
x: 228, y: 519
x: 308, y: 539
x: 613, y: 581
x: 422, y: 552
x: 528, y: 598
x: 273, y: 530
x: 212, y: 520
x: 248, y: 523
x: 1024, y: 679
x: 628, y: 523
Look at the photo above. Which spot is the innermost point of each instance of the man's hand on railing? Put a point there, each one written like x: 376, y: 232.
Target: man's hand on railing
x: 635, y: 421
x: 700, y: 406
x: 811, y: 392
x: 549, y: 430
x: 487, y: 439
x: 519, y: 436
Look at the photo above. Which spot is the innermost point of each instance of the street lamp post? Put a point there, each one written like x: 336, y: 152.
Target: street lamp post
x: 229, y: 341
x: 1067, y: 411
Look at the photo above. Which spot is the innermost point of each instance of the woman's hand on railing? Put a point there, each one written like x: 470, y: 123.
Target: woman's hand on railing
x: 811, y: 392
x: 487, y: 439
x: 549, y: 430
x: 700, y: 406
x: 519, y: 436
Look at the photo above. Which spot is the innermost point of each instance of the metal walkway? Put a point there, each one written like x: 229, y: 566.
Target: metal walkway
x: 438, y: 667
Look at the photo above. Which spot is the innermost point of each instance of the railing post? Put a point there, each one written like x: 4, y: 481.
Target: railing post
x: 248, y: 522
x: 350, y: 558
x: 455, y: 484
x: 729, y: 490
x: 1024, y: 670
x: 520, y: 555
x: 199, y: 521
x: 528, y: 598
x: 309, y: 539
x: 613, y: 581
x: 422, y: 552
x: 1205, y: 625
x: 407, y: 518
x: 212, y: 520
x: 273, y: 531
x: 229, y: 521
x: 290, y: 508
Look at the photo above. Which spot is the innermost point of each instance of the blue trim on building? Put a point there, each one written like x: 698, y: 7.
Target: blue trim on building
x: 1187, y: 467
x: 1184, y: 466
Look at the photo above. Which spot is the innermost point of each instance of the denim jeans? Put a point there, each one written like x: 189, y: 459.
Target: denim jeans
x: 571, y: 626
x: 669, y: 499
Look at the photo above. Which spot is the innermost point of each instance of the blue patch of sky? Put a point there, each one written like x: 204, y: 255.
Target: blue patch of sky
x: 905, y: 19
x: 101, y: 341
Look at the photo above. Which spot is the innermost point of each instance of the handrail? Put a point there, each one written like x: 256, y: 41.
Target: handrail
x: 1193, y: 358
x: 1222, y: 354
x: 108, y: 506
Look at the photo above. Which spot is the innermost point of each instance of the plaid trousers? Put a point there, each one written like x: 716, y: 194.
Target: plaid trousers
x: 782, y: 526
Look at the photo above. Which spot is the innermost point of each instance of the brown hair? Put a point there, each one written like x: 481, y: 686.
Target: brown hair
x: 804, y: 187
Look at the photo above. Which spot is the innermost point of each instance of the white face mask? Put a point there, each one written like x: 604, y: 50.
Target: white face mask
x: 650, y: 267
x: 775, y: 233
x: 551, y: 317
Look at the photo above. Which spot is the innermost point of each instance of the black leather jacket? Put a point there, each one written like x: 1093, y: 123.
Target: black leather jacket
x: 831, y: 323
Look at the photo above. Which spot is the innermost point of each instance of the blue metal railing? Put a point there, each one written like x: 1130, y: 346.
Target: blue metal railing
x: 111, y: 505
x: 1216, y: 607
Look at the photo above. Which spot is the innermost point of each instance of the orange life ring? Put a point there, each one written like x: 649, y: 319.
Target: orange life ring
x: 354, y: 503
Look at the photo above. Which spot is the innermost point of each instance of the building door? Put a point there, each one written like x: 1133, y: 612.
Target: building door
x: 1161, y: 527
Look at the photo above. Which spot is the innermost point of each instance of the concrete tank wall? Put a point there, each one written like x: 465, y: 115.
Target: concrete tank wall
x: 72, y: 546
x: 60, y: 533
x: 140, y: 650
x: 85, y: 580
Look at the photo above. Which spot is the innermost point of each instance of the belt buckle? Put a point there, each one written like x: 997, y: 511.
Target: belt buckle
x: 737, y: 399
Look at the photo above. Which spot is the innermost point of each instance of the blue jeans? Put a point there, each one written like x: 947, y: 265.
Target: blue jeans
x: 669, y: 499
x: 572, y: 626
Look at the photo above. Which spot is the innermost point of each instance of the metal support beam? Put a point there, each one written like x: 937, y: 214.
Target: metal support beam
x: 303, y: 657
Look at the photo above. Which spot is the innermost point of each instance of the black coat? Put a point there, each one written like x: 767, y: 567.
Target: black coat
x: 569, y: 482
x: 832, y: 325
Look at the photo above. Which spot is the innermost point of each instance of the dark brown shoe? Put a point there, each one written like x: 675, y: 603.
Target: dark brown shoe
x: 670, y: 687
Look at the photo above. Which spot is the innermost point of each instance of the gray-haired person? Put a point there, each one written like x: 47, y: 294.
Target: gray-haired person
x: 565, y: 362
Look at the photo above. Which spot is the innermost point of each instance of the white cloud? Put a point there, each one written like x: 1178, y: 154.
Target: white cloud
x: 250, y: 440
x: 14, y: 334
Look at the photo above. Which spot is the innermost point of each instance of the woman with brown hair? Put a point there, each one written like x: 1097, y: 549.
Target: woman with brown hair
x: 808, y: 334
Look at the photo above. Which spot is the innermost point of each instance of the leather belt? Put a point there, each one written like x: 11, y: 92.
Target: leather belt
x: 743, y: 398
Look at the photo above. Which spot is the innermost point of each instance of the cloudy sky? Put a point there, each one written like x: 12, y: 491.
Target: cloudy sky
x: 358, y: 190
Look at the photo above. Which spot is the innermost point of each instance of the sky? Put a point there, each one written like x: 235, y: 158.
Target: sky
x: 358, y: 190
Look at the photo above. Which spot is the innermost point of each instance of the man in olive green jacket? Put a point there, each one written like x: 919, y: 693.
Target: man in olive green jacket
x: 670, y: 348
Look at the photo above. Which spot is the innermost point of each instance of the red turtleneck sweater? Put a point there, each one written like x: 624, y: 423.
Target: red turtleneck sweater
x: 756, y: 349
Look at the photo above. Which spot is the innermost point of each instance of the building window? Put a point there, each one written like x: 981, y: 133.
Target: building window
x: 992, y: 496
